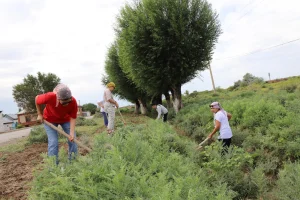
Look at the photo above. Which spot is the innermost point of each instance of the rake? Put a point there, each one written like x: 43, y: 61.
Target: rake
x: 122, y: 117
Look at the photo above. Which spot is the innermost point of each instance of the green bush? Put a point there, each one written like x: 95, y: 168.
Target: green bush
x: 97, y: 115
x: 37, y: 135
x: 81, y: 121
x: 142, y: 162
x: 290, y: 88
x: 288, y: 182
x: 20, y: 126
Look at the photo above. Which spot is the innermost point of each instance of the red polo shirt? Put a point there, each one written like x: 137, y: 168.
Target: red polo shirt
x: 59, y: 114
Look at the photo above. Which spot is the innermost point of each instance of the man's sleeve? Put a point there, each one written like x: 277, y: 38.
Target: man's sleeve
x: 45, y: 98
x: 74, y: 109
x: 159, y: 112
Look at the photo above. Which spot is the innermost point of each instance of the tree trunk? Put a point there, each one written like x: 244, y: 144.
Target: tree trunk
x: 143, y: 106
x: 168, y: 99
x: 176, y: 95
x: 157, y: 99
x: 137, y: 107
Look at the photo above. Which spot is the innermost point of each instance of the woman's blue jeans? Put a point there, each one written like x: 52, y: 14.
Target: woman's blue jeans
x: 53, y: 141
x: 105, y: 118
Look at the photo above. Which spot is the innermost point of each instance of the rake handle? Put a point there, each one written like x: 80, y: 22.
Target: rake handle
x: 200, y: 145
x: 67, y: 136
x: 122, y: 117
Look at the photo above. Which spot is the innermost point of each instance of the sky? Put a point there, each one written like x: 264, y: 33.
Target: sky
x: 70, y: 38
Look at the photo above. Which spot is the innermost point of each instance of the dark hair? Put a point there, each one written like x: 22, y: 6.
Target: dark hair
x: 153, y: 104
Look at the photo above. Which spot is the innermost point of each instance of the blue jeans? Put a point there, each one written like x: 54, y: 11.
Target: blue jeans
x: 105, y: 118
x: 53, y: 141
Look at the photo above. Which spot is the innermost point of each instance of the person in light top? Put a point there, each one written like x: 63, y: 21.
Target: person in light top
x: 109, y: 106
x: 61, y: 109
x: 104, y: 114
x: 221, y: 122
x: 161, y: 110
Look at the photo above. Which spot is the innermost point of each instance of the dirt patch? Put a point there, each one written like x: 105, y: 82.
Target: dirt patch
x: 16, y: 171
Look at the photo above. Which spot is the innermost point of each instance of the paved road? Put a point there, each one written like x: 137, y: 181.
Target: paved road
x: 10, y: 136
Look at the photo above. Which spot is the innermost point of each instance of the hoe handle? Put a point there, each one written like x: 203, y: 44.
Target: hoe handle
x: 67, y: 136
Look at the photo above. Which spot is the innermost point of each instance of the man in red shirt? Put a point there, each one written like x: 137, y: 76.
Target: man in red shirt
x: 61, y: 109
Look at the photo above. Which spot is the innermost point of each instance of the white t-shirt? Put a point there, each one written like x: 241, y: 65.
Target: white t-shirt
x: 161, y: 110
x: 101, y: 105
x: 225, y: 130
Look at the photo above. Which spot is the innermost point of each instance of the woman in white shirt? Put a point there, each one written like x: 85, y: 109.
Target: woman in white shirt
x: 109, y: 106
x: 221, y: 121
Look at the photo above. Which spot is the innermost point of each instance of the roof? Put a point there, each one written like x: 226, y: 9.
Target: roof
x: 6, y: 121
x: 11, y: 116
x: 21, y: 112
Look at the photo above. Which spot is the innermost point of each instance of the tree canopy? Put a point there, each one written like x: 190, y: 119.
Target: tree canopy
x: 125, y: 88
x: 25, y: 93
x: 89, y: 107
x: 165, y: 43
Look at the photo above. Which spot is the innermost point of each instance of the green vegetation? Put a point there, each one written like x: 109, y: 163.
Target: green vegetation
x: 160, y: 45
x: 142, y: 162
x: 81, y: 121
x: 17, y: 147
x: 25, y: 92
x: 151, y: 160
x: 89, y: 107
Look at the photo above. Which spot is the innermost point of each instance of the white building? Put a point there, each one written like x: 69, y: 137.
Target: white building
x: 5, y: 124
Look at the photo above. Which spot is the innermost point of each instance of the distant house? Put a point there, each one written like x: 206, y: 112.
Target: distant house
x: 79, y: 111
x: 5, y: 124
x: 27, y: 118
x: 14, y: 118
x: 86, y: 114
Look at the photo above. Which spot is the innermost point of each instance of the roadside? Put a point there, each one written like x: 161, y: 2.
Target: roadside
x: 11, y: 137
x: 15, y: 130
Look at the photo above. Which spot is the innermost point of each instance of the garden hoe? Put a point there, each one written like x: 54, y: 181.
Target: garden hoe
x: 122, y: 117
x: 200, y: 145
x: 66, y: 135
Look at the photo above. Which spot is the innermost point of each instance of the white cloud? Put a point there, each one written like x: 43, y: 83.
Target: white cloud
x: 70, y: 39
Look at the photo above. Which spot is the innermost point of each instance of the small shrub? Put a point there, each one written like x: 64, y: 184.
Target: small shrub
x: 20, y: 126
x: 37, y: 135
x: 290, y: 88
x: 81, y: 121
x: 97, y: 115
x: 288, y: 182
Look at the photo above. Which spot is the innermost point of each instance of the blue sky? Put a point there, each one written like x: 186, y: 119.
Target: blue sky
x: 70, y: 39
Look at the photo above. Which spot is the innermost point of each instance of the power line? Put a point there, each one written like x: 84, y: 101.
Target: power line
x: 230, y: 25
x: 249, y: 11
x: 258, y: 50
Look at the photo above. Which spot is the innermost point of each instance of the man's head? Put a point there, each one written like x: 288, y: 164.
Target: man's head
x: 154, y: 105
x: 111, y: 86
x: 63, y: 94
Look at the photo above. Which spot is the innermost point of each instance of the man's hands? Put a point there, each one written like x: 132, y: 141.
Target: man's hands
x: 71, y: 137
x: 40, y: 118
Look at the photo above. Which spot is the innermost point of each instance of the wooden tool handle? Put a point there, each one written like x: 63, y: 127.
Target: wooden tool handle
x: 67, y: 136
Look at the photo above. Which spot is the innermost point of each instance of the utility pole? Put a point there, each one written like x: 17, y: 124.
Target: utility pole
x: 269, y: 76
x: 212, y: 78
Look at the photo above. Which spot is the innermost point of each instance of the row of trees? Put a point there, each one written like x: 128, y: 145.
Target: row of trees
x: 160, y: 45
x: 25, y: 92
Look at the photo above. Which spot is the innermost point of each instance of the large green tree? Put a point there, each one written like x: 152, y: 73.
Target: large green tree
x: 125, y: 88
x: 89, y: 107
x: 165, y: 43
x: 25, y: 93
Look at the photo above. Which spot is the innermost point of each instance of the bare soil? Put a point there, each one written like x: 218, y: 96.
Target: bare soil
x: 16, y: 171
